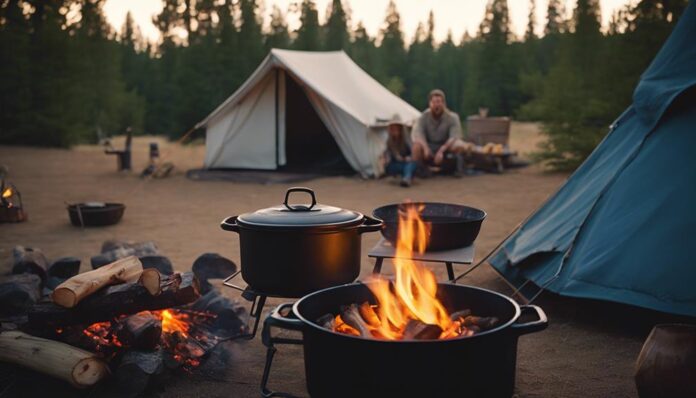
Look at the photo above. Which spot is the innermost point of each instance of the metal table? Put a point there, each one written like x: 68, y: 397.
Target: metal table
x: 465, y: 255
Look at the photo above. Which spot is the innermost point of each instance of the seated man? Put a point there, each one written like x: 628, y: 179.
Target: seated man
x: 436, y: 133
x: 397, y: 157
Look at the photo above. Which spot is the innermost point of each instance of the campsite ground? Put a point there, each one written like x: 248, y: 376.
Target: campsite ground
x: 587, y: 351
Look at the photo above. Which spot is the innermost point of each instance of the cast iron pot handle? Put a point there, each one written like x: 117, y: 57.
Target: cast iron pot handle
x: 531, y: 326
x: 300, y: 207
x: 276, y: 319
x: 370, y: 225
x: 230, y: 224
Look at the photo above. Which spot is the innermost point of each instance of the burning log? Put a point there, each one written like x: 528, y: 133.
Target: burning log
x: 141, y: 331
x: 18, y: 293
x: 327, y: 321
x: 455, y: 316
x: 28, y: 260
x: 417, y: 330
x: 76, y: 366
x: 123, y: 299
x: 230, y: 317
x: 70, y: 292
x: 351, y: 316
x: 484, y: 323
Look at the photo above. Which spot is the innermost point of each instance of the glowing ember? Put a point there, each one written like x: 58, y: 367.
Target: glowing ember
x: 172, y: 323
x: 184, y: 335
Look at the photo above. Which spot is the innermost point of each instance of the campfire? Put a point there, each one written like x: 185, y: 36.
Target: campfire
x: 126, y: 320
x: 406, y: 308
x: 11, y: 209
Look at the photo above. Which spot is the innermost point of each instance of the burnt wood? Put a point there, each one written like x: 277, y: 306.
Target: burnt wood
x: 417, y: 330
x: 140, y: 331
x: 123, y: 299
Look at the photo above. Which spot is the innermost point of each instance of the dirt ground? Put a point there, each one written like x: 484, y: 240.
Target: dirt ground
x: 588, y: 350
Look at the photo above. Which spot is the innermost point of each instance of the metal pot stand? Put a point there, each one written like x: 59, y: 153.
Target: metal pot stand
x: 258, y: 301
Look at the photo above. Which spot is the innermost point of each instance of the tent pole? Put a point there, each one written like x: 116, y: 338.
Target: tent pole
x: 277, y: 135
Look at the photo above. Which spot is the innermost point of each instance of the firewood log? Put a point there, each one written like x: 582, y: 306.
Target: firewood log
x: 53, y: 358
x: 123, y: 299
x: 70, y: 292
x: 417, y: 330
x: 141, y: 331
x: 351, y: 316
x: 151, y: 279
x: 327, y: 321
x: 460, y: 314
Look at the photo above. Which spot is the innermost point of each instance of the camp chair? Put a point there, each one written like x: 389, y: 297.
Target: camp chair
x: 123, y: 157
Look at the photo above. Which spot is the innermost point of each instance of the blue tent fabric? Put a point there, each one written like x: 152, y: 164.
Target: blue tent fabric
x: 623, y: 227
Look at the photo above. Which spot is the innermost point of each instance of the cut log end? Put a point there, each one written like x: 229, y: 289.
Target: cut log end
x: 88, y: 372
x: 151, y: 279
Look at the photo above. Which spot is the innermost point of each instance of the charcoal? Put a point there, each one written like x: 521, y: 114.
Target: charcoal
x: 136, y: 249
x: 212, y: 266
x: 29, y: 260
x: 160, y: 263
x: 64, y: 267
x: 18, y: 293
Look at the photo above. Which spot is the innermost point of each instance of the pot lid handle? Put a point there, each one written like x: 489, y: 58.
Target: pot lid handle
x: 300, y: 207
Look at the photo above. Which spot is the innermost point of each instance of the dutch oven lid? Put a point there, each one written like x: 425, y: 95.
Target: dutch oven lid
x: 300, y: 215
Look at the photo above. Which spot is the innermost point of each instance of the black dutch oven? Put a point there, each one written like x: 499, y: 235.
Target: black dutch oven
x: 339, y: 365
x: 291, y: 250
x: 451, y: 226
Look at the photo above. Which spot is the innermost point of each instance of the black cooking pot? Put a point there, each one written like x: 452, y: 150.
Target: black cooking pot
x: 451, y: 226
x: 292, y: 250
x: 339, y: 365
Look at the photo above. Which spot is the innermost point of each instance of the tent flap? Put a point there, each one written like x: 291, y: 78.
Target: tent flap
x: 621, y: 227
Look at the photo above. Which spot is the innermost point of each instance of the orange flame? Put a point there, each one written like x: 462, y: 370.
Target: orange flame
x: 413, y: 294
x: 7, y: 193
x: 172, y: 323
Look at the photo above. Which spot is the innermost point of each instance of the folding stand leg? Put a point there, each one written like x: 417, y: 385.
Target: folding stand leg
x: 378, y: 266
x: 450, y: 272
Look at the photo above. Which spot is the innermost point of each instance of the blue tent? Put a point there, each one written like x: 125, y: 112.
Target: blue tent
x: 623, y: 227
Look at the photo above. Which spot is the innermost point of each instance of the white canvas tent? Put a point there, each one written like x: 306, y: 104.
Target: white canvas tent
x: 256, y: 127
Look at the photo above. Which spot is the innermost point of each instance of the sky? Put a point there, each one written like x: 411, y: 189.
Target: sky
x: 456, y: 16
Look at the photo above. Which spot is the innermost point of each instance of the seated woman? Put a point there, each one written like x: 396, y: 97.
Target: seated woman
x: 397, y: 157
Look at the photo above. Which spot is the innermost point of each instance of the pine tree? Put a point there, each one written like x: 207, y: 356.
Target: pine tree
x: 336, y: 28
x: 278, y: 37
x: 363, y: 50
x: 392, y: 55
x: 529, y: 34
x: 554, y: 18
x: 308, y: 34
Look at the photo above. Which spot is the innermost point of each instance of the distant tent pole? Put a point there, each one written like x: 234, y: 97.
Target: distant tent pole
x: 277, y: 135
